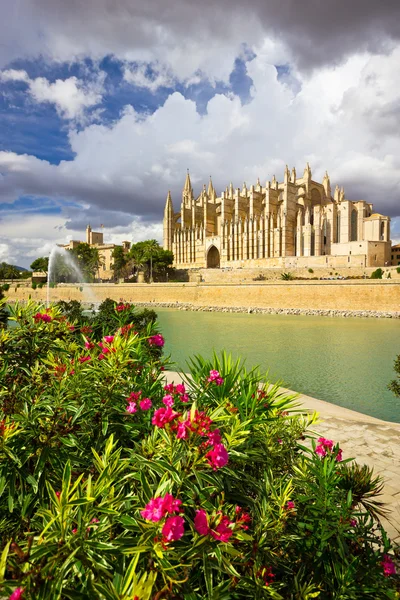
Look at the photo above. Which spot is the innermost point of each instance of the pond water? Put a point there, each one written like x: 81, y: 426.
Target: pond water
x: 346, y: 361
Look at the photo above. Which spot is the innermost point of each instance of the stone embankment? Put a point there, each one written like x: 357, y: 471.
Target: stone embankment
x: 274, y: 311
x: 366, y: 298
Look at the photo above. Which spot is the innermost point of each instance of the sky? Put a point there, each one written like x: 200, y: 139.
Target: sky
x: 105, y: 105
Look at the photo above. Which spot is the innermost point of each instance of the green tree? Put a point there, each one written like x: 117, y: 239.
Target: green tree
x: 152, y: 248
x: 137, y: 257
x: 40, y: 264
x: 120, y: 262
x: 88, y: 260
x: 151, y: 257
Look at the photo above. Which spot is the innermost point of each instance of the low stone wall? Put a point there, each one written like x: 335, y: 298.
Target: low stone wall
x: 297, y: 297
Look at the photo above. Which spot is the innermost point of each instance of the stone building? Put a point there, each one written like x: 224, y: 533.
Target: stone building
x: 296, y: 223
x: 95, y: 238
x: 395, y: 255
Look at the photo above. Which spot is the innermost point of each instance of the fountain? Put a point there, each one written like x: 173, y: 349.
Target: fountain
x: 62, y: 262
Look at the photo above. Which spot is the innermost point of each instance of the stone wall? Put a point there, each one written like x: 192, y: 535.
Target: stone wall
x: 350, y: 295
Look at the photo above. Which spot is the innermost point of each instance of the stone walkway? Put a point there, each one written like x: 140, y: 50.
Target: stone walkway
x: 371, y: 441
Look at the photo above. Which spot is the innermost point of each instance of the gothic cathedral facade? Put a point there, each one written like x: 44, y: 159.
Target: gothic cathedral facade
x: 296, y: 223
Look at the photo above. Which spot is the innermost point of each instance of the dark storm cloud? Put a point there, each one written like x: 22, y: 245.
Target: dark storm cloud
x: 316, y: 31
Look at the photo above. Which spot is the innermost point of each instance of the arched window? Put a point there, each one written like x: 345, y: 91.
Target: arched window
x: 353, y: 232
x: 338, y: 228
x: 382, y: 231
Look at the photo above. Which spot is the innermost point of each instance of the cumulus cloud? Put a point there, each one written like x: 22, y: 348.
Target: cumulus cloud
x: 69, y: 96
x: 150, y: 77
x: 127, y: 167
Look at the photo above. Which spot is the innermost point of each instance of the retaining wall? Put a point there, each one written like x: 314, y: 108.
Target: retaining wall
x: 350, y: 295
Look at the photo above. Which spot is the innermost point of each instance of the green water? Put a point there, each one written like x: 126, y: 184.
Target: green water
x: 346, y: 361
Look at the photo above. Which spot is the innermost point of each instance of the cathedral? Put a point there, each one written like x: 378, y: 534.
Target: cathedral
x: 295, y: 223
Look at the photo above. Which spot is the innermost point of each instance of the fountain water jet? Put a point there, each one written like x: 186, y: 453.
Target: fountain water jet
x: 61, y: 257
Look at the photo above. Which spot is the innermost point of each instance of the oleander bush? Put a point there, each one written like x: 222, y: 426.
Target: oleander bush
x: 117, y: 485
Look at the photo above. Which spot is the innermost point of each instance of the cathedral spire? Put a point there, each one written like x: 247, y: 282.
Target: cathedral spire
x: 187, y: 188
x: 211, y: 191
x: 327, y: 185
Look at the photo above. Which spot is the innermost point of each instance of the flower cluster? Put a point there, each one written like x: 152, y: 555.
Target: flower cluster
x: 388, y: 566
x: 177, y: 390
x: 215, y: 377
x: 83, y: 359
x: 105, y: 349
x: 42, y: 317
x: 134, y: 398
x: 17, y: 594
x: 121, y: 307
x: 126, y: 329
x: 221, y: 532
x: 267, y: 575
x: 158, y: 508
x: 199, y: 424
x: 325, y: 447
x: 156, y: 340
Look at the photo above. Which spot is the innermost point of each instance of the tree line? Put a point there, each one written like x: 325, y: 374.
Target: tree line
x: 146, y: 257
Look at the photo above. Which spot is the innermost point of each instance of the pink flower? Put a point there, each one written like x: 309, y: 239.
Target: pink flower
x: 58, y: 494
x: 173, y: 529
x: 339, y: 456
x: 320, y: 450
x: 353, y: 522
x: 95, y: 520
x: 135, y: 395
x: 279, y: 441
x: 108, y: 339
x: 169, y: 388
x: 182, y: 432
x: 158, y: 507
x: 74, y: 530
x: 327, y: 444
x: 168, y: 400
x: 154, y: 510
x: 162, y: 416
x: 89, y: 345
x: 171, y: 504
x: 156, y: 340
x: 83, y: 359
x: 42, y: 317
x: 180, y: 388
x: 201, y: 522
x: 215, y: 377
x: 131, y: 408
x: 184, y: 398
x: 217, y: 457
x: 290, y: 505
x: 222, y: 532
x: 101, y: 356
x: 145, y: 404
x: 17, y: 594
x: 388, y: 566
x: 214, y: 437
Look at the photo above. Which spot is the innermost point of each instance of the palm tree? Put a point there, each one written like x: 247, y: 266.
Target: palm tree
x: 137, y: 257
x: 151, y: 248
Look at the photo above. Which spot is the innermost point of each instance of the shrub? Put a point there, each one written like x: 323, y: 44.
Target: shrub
x: 34, y: 285
x: 377, y: 274
x: 287, y: 276
x: 116, y: 485
x: 5, y: 287
x: 311, y: 270
x: 398, y: 269
x: 394, y: 385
